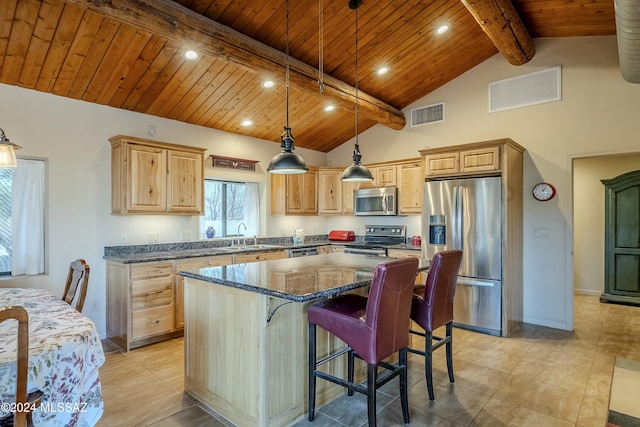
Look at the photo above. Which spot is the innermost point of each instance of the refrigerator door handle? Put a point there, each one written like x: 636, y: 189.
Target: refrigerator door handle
x: 475, y: 282
x: 456, y: 232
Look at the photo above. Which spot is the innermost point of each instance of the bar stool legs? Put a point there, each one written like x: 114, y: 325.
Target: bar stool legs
x: 373, y: 382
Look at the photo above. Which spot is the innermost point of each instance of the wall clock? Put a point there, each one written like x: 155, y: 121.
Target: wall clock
x: 544, y: 191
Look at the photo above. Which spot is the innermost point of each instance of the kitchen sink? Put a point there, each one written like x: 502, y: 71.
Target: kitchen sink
x: 249, y: 247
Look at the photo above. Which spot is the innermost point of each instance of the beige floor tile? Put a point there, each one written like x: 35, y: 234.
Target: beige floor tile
x: 594, y: 411
x: 498, y: 412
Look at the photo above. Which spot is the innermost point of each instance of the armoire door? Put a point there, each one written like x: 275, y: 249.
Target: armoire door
x: 622, y: 239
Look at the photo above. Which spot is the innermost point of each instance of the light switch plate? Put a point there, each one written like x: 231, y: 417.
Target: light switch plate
x: 152, y: 237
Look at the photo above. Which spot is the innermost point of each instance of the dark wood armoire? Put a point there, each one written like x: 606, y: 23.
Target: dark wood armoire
x: 622, y: 239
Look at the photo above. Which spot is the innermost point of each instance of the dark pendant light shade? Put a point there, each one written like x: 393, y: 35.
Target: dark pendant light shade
x: 356, y: 172
x: 7, y: 152
x: 287, y: 162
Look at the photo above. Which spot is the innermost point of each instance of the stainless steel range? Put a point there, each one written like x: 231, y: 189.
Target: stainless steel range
x: 377, y: 239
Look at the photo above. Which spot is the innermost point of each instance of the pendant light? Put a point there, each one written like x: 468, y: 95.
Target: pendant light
x: 287, y: 162
x: 356, y: 172
x: 7, y: 152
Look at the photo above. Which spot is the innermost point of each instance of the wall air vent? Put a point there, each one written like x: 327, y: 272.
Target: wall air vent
x: 523, y: 91
x: 427, y: 115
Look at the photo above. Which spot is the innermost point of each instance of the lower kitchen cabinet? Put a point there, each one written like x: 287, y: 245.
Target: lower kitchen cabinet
x: 193, y: 264
x: 140, y: 303
x: 145, y: 302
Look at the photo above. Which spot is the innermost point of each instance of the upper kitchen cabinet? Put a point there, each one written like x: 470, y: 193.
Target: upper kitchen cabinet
x: 295, y: 194
x: 469, y: 159
x: 407, y: 176
x: 150, y: 177
x: 335, y: 197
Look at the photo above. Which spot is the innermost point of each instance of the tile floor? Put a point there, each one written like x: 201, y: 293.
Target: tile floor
x: 537, y: 377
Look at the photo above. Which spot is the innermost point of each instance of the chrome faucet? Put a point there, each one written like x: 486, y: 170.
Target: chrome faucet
x: 242, y: 224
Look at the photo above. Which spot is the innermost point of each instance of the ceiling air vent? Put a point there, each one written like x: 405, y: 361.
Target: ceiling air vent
x: 427, y: 115
x: 530, y: 89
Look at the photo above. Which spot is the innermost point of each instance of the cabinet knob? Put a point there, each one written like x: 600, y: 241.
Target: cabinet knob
x: 153, y: 321
x: 156, y: 292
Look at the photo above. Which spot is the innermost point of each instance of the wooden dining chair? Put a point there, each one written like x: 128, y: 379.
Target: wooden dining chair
x: 23, y: 401
x: 77, y: 281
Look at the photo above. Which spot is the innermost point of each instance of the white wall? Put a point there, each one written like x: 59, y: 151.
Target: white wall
x: 73, y: 137
x: 598, y: 115
x: 588, y: 202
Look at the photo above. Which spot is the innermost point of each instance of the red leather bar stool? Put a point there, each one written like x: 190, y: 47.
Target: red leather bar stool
x: 373, y: 328
x: 432, y: 307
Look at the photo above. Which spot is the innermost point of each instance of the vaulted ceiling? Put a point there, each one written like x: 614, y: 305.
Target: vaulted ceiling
x: 129, y: 54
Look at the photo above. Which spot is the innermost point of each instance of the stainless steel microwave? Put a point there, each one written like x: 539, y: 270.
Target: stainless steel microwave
x: 376, y: 201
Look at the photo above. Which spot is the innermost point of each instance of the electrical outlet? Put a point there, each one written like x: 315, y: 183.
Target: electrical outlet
x: 123, y: 238
x: 185, y: 236
x: 152, y: 237
x: 541, y: 233
x: 95, y: 305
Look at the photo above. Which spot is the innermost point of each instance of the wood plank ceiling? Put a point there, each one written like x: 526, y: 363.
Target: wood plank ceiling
x: 129, y: 54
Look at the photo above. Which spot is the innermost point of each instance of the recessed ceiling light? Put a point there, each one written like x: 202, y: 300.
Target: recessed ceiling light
x: 267, y: 84
x: 247, y: 123
x: 382, y: 70
x: 443, y: 29
x: 191, y: 55
x: 329, y: 108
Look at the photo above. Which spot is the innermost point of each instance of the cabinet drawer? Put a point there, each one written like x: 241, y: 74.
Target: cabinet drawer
x: 150, y: 270
x: 151, y: 293
x: 204, y: 262
x: 260, y: 256
x: 153, y: 321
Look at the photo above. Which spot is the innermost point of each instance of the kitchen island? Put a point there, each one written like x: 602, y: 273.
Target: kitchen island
x: 246, y: 333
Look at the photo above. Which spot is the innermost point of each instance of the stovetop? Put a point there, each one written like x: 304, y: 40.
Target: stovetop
x: 384, y: 235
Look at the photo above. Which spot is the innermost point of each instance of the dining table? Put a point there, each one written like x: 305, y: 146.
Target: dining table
x: 65, y: 354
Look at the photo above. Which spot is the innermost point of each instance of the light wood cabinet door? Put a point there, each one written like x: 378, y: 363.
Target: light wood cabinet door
x: 294, y: 194
x: 411, y: 181
x: 329, y: 192
x: 480, y: 160
x: 185, y: 182
x: 301, y: 193
x: 441, y: 164
x: 347, y: 196
x: 310, y: 192
x: 147, y: 178
x: 386, y: 176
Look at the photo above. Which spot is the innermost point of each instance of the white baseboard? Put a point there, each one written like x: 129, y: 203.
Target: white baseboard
x: 546, y: 322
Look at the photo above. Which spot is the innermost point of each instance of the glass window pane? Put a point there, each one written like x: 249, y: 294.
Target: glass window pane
x: 235, y: 208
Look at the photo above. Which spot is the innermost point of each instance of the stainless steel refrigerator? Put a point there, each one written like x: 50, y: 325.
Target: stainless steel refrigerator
x: 467, y: 214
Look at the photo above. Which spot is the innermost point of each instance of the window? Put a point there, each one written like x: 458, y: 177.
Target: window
x: 227, y: 205
x: 6, y: 177
x: 22, y: 218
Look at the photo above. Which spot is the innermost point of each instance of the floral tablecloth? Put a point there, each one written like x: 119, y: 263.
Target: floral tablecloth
x: 64, y: 356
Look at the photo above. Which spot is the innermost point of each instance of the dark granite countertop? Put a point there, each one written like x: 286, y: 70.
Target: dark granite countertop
x: 296, y: 279
x: 132, y: 254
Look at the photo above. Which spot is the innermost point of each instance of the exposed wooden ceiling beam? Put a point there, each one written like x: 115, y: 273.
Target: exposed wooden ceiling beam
x: 501, y: 22
x: 171, y: 21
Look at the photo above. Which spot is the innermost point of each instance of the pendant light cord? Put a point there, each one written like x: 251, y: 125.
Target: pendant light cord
x: 357, y: 148
x: 320, y: 46
x: 287, y: 64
